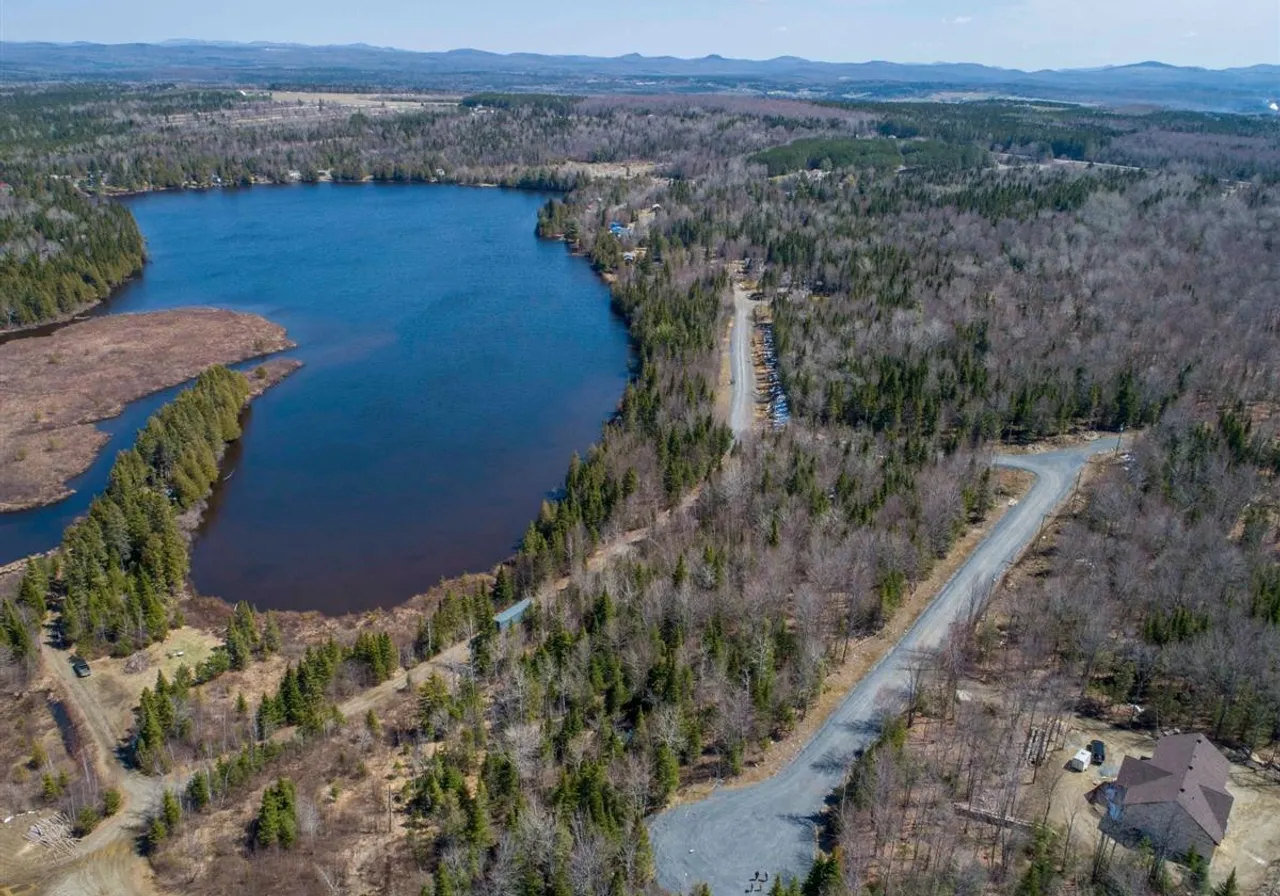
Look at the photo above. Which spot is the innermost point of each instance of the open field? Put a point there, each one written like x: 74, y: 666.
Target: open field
x: 57, y: 386
x: 635, y: 168
x: 391, y: 102
x: 116, y: 682
x: 296, y: 107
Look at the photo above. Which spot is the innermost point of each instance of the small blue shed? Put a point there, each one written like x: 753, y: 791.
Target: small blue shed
x: 512, y: 614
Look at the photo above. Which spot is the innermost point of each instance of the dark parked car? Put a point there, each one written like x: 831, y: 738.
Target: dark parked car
x: 80, y: 667
x: 1099, y: 751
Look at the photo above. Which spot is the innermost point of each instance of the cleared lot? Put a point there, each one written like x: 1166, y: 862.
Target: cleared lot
x: 1252, y: 845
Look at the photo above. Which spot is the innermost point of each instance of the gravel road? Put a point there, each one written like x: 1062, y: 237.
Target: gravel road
x: 104, y: 862
x: 742, y: 410
x: 725, y: 839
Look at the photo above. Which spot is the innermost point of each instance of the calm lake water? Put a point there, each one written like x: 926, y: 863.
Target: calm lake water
x: 453, y: 363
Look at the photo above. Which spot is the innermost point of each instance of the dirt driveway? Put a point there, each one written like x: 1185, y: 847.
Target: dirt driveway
x: 105, y: 862
x: 1252, y: 845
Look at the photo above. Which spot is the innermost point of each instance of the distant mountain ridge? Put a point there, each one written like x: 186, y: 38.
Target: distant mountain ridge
x: 1246, y: 89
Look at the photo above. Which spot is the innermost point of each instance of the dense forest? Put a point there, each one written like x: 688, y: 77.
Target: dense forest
x: 876, y: 153
x: 60, y: 250
x: 940, y: 283
x: 1015, y: 306
x: 115, y: 577
x: 1154, y: 601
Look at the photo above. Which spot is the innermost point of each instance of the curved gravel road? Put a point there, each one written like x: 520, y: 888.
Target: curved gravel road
x: 105, y: 862
x: 728, y: 837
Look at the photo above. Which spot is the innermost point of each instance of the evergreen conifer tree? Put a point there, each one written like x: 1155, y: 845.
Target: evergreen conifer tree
x: 171, y: 810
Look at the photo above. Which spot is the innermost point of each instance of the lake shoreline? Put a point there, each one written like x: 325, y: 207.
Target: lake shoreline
x: 266, y: 376
x: 28, y: 331
x: 403, y: 613
x: 63, y: 383
x: 275, y: 370
x: 418, y: 598
x: 427, y: 406
x: 84, y: 312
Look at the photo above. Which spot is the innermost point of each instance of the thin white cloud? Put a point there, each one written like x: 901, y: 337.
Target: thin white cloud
x: 958, y: 20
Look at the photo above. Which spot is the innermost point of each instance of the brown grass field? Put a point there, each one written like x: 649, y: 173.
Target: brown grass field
x: 56, y: 387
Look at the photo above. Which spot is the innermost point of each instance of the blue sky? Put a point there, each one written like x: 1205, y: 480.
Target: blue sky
x: 1017, y: 33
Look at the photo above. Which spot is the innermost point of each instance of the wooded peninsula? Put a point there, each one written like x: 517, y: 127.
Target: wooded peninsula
x: 57, y: 386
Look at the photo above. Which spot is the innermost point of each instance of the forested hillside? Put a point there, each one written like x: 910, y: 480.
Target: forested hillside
x: 1017, y: 305
x: 60, y: 249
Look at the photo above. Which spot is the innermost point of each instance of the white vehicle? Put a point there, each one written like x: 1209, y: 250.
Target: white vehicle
x: 1081, y: 761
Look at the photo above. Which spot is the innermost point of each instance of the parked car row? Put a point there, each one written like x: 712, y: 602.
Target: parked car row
x: 779, y: 407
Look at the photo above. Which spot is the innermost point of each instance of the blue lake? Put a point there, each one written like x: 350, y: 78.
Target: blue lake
x: 452, y: 364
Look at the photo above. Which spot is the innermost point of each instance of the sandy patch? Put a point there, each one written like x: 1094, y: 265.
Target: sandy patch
x: 1252, y: 844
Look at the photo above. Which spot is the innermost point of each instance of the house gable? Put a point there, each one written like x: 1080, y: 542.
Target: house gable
x: 1185, y: 770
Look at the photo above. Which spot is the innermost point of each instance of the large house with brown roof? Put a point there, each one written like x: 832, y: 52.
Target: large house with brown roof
x: 1176, y: 799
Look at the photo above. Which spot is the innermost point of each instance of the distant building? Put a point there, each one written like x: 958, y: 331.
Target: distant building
x: 1176, y: 800
x: 512, y: 614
